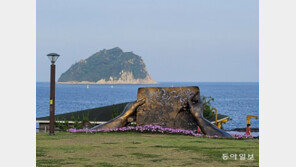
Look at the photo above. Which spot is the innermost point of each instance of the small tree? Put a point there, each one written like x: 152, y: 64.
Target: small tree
x: 65, y: 124
x: 114, y: 112
x: 57, y: 123
x: 77, y: 123
x: 85, y: 118
x: 72, y: 118
x: 208, y: 112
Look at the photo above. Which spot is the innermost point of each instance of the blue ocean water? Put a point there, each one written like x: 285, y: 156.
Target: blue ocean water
x: 234, y: 99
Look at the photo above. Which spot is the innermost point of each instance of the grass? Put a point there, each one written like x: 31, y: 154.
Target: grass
x: 138, y: 149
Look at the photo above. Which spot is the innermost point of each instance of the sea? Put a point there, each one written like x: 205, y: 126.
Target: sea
x: 235, y: 99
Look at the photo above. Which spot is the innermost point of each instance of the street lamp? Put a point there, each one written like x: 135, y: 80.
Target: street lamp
x: 52, y: 57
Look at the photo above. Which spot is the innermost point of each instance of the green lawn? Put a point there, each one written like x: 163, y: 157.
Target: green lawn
x: 138, y: 149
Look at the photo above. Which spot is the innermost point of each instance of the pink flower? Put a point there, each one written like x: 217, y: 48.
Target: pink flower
x: 152, y: 128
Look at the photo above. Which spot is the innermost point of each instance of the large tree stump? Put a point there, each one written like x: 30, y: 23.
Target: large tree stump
x: 167, y: 107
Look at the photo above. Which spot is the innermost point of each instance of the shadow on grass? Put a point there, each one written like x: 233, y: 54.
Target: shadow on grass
x: 161, y: 146
x: 117, y: 155
x: 52, y: 162
x: 104, y: 164
x: 110, y: 143
x: 142, y: 155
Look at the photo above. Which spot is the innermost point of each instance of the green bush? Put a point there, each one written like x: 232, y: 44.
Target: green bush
x: 114, y: 112
x: 72, y: 118
x: 66, y: 124
x: 62, y: 126
x: 57, y: 123
x: 77, y: 123
x: 85, y: 118
x: 208, y: 112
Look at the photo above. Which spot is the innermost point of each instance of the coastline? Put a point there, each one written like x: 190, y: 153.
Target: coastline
x: 105, y: 83
x: 126, y: 78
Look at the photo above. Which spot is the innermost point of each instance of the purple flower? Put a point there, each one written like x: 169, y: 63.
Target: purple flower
x: 152, y: 128
x: 239, y: 135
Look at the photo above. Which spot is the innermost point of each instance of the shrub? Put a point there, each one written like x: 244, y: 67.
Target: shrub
x: 77, y: 122
x: 208, y: 112
x: 85, y: 118
x: 114, y: 112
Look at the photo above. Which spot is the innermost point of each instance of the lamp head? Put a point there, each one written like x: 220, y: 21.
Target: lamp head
x: 53, y: 57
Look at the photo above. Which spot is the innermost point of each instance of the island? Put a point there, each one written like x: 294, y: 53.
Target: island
x: 111, y: 66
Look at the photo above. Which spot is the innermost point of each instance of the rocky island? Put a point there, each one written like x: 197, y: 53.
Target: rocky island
x: 111, y: 66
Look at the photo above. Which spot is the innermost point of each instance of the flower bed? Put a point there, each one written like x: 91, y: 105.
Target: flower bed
x: 238, y: 135
x: 149, y: 129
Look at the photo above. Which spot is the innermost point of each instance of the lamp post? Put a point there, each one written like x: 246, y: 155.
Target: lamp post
x: 52, y: 57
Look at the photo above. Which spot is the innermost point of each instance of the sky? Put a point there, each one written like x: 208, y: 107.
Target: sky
x: 179, y: 41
